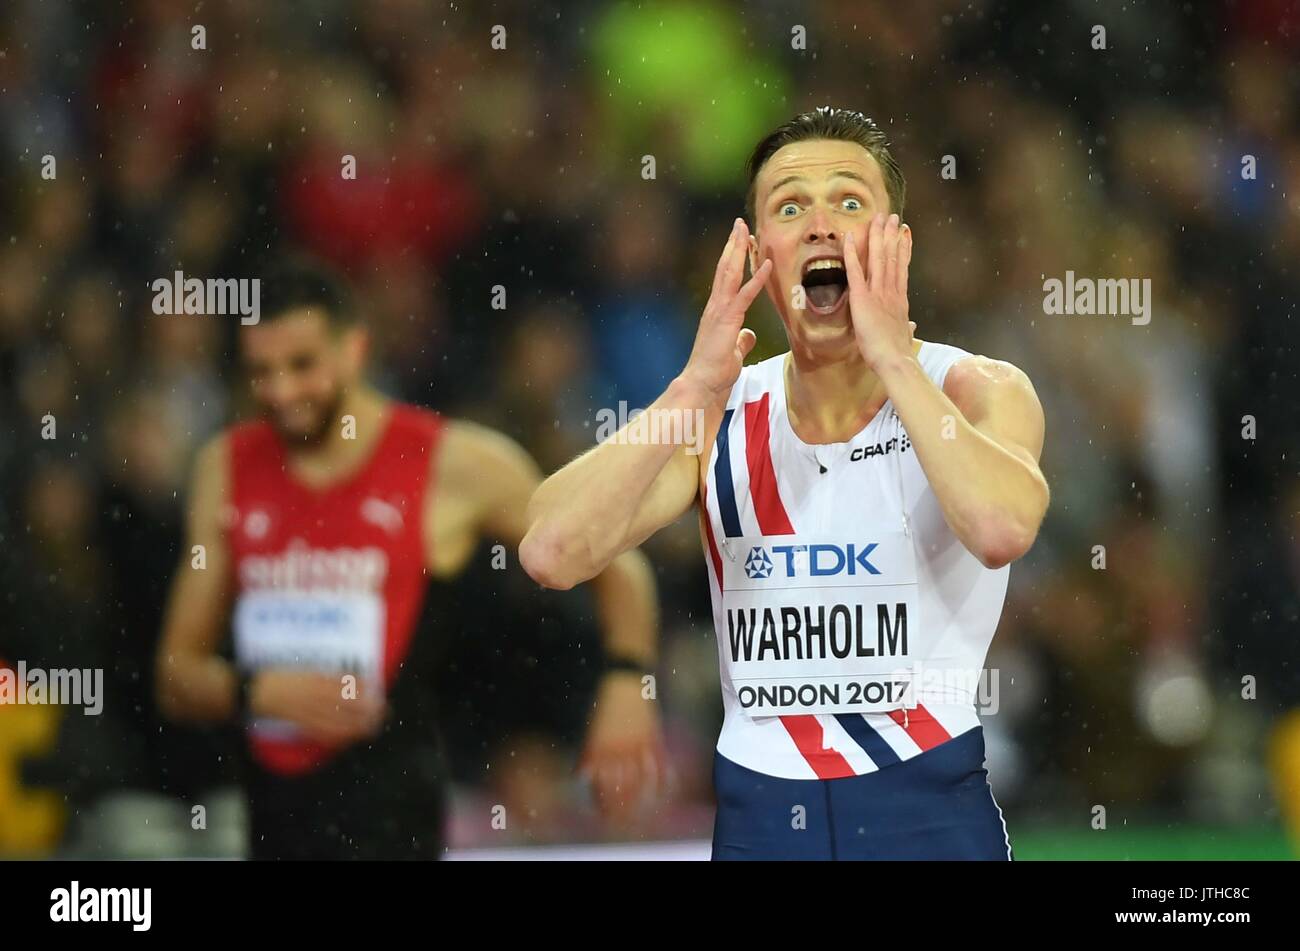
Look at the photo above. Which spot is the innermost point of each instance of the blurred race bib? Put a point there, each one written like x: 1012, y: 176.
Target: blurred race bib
x: 323, y: 631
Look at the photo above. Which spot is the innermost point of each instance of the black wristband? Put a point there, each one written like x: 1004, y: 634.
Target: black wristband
x: 612, y: 663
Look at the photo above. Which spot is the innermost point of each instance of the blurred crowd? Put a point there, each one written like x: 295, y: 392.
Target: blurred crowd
x: 1171, y: 447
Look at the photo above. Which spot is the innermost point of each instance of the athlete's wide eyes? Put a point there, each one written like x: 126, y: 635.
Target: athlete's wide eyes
x: 852, y: 204
x: 788, y: 210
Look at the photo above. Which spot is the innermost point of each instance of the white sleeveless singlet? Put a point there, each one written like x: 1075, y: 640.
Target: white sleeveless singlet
x: 852, y: 623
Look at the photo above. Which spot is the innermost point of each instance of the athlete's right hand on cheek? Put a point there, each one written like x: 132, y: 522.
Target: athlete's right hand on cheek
x: 723, y: 342
x: 319, y: 704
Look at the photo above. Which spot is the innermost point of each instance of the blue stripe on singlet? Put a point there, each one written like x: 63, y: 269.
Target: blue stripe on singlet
x: 722, y: 478
x: 856, y: 726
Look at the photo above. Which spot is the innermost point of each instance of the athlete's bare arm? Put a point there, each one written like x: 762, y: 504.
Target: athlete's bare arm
x: 483, y: 482
x: 609, y: 500
x: 193, y: 681
x: 979, y: 438
x: 620, y: 493
x: 998, y: 403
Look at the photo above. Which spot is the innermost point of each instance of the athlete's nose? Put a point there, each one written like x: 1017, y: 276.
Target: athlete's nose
x: 281, y: 390
x: 821, y: 228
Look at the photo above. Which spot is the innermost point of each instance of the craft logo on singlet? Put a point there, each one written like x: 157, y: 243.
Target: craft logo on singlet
x: 303, y: 568
x: 880, y: 449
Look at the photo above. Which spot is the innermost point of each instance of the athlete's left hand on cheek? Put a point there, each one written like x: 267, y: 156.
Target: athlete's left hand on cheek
x: 624, y: 753
x: 878, y: 298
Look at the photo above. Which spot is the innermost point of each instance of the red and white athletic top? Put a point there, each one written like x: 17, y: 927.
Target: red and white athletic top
x: 852, y: 623
x: 329, y: 579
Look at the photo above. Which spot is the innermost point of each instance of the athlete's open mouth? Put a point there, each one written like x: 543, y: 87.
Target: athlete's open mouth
x: 825, y: 284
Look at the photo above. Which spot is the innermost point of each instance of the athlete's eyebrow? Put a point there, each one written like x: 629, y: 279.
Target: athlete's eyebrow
x: 842, y: 173
x: 849, y: 173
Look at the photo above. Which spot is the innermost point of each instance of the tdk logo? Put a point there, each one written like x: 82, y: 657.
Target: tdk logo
x: 817, y: 561
x: 758, y: 565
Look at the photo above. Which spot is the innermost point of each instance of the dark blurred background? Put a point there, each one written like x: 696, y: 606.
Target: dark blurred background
x: 522, y: 167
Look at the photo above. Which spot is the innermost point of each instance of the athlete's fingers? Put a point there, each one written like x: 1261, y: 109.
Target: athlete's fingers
x: 342, y: 722
x: 373, y: 716
x: 725, y: 256
x: 745, y: 296
x: 326, y: 711
x: 745, y: 342
x: 645, y: 789
x: 599, y: 766
x: 630, y: 773
x: 359, y: 709
x: 890, y: 249
x: 623, y: 776
x: 655, y: 769
x: 634, y: 776
x: 326, y: 729
x: 904, y: 257
x: 853, y: 264
x: 621, y: 796
x: 671, y: 779
x: 650, y: 773
x: 640, y: 779
x: 876, y: 251
x: 607, y: 780
x: 735, y: 269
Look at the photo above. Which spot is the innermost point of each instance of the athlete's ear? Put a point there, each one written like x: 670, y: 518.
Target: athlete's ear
x: 753, y: 254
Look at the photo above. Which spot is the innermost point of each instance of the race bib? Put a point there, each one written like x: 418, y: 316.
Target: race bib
x: 325, y: 631
x: 821, y: 626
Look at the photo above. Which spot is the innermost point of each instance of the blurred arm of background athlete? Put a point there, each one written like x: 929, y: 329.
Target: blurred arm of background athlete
x: 618, y: 494
x: 487, y: 479
x: 483, y: 481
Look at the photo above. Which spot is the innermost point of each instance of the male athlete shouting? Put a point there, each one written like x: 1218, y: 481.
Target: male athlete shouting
x: 861, y: 501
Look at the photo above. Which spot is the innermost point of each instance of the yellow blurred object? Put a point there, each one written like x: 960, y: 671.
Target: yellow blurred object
x: 31, y: 820
x: 1284, y: 760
